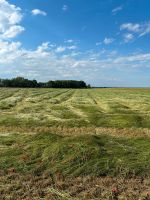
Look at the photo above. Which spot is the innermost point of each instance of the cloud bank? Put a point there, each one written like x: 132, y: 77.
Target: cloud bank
x: 10, y: 17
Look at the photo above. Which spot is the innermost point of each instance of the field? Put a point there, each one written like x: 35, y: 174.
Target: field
x: 75, y: 143
x: 118, y: 108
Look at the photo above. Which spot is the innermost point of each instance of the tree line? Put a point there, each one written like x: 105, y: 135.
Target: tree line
x: 25, y: 83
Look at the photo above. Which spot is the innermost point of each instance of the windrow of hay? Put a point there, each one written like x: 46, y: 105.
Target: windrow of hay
x: 125, y: 132
x: 111, y: 108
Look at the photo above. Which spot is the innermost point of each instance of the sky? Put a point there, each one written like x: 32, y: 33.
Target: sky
x: 103, y: 42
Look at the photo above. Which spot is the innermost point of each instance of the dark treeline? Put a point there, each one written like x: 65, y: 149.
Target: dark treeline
x: 25, y: 83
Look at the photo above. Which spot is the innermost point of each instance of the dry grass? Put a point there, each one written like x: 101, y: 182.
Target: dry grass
x: 125, y: 132
x: 18, y: 187
x: 92, y: 113
x: 108, y: 108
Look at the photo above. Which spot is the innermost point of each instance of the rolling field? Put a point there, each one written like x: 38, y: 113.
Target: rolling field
x: 75, y: 144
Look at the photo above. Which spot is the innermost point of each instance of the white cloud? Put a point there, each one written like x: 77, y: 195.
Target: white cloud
x: 73, y: 47
x: 130, y: 27
x: 108, y: 41
x: 38, y: 12
x: 128, y: 37
x: 65, y: 8
x: 13, y: 31
x: 117, y: 9
x: 45, y: 63
x: 10, y: 17
x: 60, y: 49
x: 9, y: 51
x: 6, y: 47
x: 139, y: 29
x: 43, y: 47
x: 69, y: 41
x: 144, y: 58
x: 146, y: 29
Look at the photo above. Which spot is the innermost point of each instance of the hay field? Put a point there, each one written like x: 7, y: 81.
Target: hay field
x: 72, y: 144
x: 111, y: 108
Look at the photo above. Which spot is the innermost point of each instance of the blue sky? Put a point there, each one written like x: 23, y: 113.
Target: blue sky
x: 104, y: 42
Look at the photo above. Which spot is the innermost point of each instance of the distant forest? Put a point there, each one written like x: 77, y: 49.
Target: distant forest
x: 25, y: 83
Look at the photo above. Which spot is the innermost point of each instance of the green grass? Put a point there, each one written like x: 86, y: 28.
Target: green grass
x: 77, y: 155
x: 88, y: 134
x: 116, y: 108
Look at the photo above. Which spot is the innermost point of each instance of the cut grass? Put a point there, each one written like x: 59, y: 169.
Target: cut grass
x: 19, y: 187
x: 75, y: 156
x: 67, y: 144
x: 115, y: 108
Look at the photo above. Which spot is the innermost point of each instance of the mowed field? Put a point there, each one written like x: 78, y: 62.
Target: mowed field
x: 115, y: 108
x: 75, y: 144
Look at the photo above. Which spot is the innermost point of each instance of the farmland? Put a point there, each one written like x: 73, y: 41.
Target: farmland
x: 74, y: 143
x: 115, y: 108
